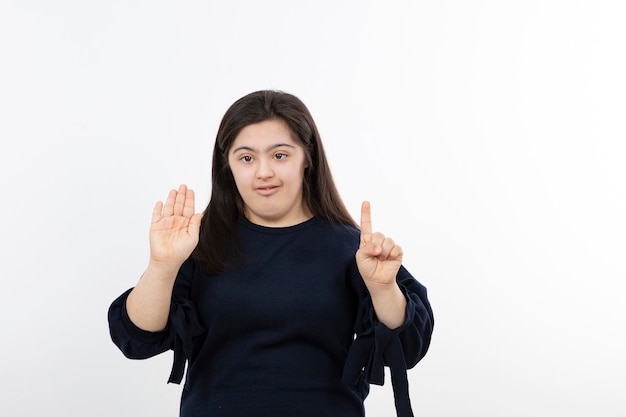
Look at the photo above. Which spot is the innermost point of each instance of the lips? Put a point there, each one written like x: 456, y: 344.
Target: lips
x: 266, y: 189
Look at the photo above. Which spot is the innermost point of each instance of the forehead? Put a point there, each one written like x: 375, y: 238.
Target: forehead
x: 268, y: 132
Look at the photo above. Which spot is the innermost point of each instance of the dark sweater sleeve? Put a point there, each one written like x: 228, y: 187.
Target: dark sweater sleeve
x: 178, y: 335
x: 377, y: 346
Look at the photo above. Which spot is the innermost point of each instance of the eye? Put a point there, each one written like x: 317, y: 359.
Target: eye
x: 280, y: 156
x: 246, y: 158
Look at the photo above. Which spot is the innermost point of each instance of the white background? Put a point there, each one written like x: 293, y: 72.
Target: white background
x: 489, y: 136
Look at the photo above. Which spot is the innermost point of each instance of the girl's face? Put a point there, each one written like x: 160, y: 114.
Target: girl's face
x: 268, y: 167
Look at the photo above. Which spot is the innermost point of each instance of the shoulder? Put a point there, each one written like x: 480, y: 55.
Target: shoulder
x: 344, y: 231
x: 338, y: 235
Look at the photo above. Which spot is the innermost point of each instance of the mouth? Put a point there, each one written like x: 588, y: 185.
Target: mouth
x: 266, y: 189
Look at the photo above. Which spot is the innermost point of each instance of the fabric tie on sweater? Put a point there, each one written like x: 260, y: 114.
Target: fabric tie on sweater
x: 186, y: 327
x: 369, y: 353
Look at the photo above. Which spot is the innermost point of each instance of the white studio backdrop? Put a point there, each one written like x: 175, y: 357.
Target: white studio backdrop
x: 488, y: 135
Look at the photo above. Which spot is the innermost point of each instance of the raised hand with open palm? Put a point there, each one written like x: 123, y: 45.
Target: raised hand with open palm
x: 175, y: 227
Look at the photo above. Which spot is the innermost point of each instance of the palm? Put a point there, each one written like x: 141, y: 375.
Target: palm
x: 175, y: 227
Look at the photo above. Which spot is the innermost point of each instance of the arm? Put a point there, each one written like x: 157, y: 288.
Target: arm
x: 405, y: 321
x: 379, y: 260
x: 174, y: 234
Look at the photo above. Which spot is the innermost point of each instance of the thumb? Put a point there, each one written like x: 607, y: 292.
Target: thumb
x: 368, y: 250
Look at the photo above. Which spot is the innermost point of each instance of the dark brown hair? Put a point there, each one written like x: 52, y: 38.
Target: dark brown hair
x: 218, y: 237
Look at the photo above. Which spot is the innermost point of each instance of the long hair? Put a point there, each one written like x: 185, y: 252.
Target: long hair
x: 218, y: 244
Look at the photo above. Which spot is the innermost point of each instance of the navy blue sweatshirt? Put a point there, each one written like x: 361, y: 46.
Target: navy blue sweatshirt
x: 275, y: 335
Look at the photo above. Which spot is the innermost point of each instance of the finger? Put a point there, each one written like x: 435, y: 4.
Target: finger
x: 373, y: 247
x: 189, y: 207
x: 366, y: 222
x: 168, y: 209
x: 377, y: 239
x: 179, y: 203
x: 389, y: 250
x: 396, y: 253
x: 157, y: 213
x: 370, y: 250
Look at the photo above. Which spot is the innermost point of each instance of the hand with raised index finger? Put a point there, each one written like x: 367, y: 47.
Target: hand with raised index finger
x: 378, y: 257
x: 175, y: 227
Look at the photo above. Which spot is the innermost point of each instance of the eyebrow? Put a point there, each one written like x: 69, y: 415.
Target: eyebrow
x: 268, y: 149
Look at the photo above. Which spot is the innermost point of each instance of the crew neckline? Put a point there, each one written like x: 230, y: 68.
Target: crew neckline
x: 275, y: 230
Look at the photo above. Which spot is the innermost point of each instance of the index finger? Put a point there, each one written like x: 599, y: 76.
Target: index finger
x: 366, y: 222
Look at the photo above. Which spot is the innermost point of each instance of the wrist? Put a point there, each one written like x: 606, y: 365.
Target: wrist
x: 389, y: 304
x: 380, y: 290
x: 163, y: 269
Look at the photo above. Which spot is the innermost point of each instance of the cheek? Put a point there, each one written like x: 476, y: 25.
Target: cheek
x: 294, y: 175
x: 236, y: 169
x: 239, y: 176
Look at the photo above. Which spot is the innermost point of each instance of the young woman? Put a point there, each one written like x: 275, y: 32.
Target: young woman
x: 263, y: 294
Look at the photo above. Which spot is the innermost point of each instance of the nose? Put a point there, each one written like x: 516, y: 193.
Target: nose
x: 264, y: 169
